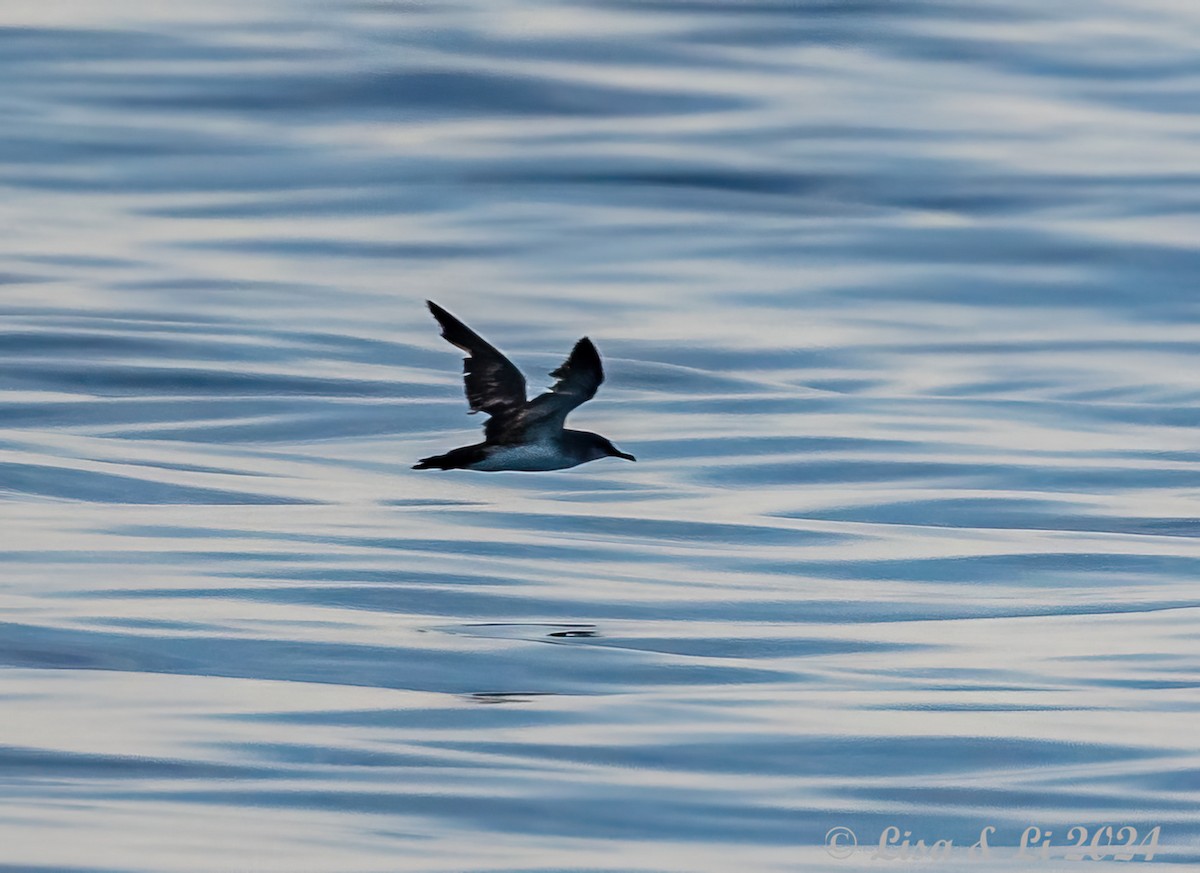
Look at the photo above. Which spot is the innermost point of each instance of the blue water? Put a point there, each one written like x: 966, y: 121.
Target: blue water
x: 900, y: 308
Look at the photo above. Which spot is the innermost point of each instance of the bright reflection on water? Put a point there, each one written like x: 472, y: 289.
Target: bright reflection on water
x: 899, y: 304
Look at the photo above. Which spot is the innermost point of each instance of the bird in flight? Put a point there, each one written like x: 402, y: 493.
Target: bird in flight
x: 521, y: 434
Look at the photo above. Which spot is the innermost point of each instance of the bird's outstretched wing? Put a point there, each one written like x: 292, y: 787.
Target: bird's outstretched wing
x: 493, y: 383
x: 579, y: 378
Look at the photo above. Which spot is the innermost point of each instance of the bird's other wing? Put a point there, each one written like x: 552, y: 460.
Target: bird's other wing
x: 579, y: 378
x: 493, y: 383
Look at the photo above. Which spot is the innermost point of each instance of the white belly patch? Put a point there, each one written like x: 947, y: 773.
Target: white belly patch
x: 526, y: 458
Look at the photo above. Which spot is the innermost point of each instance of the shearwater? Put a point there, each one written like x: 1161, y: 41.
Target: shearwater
x: 521, y: 434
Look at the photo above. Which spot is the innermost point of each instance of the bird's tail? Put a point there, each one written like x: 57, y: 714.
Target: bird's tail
x: 455, y: 459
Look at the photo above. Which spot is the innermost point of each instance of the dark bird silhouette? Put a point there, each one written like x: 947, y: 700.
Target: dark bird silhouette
x: 521, y: 434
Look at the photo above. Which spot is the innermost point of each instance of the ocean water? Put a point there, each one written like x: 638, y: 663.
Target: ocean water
x: 899, y: 302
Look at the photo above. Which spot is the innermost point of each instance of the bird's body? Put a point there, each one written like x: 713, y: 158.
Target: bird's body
x: 530, y: 457
x: 522, y: 435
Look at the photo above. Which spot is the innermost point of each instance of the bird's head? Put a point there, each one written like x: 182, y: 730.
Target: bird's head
x: 602, y: 447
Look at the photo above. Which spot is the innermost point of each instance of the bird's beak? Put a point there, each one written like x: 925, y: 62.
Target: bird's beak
x: 619, y: 454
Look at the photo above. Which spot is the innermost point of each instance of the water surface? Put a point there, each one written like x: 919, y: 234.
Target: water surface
x: 898, y: 303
